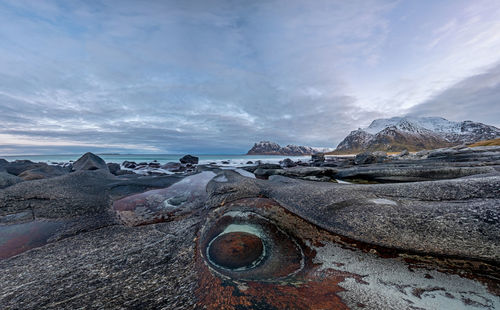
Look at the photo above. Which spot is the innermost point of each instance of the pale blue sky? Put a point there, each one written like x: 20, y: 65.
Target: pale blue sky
x: 216, y: 76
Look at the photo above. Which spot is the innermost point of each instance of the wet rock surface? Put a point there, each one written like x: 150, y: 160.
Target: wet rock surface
x: 235, y: 250
x: 447, y: 217
x: 215, y: 239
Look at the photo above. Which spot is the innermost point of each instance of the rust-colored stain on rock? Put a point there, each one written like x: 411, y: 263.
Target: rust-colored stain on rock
x: 308, y: 288
x: 235, y: 250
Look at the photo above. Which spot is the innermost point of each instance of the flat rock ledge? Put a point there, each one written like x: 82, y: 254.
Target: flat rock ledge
x: 100, y: 241
x: 457, y: 218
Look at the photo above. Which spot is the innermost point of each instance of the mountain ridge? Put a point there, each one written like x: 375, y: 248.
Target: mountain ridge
x: 414, y: 134
x: 272, y: 148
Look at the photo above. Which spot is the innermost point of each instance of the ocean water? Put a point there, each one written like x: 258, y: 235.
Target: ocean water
x: 233, y: 159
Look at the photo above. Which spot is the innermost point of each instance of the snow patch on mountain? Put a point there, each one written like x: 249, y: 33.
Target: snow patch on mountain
x: 415, y: 133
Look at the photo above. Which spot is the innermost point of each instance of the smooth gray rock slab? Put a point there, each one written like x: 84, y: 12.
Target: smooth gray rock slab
x: 411, y: 173
x: 320, y: 173
x: 117, y: 267
x: 457, y: 218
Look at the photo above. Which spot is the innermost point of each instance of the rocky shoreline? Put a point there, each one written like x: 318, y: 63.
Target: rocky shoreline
x: 368, y: 231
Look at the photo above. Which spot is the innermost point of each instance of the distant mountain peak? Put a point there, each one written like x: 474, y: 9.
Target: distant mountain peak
x: 415, y: 133
x: 272, y: 148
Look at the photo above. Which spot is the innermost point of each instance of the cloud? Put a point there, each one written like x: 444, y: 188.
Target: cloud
x: 180, y: 76
x: 216, y: 76
x: 474, y: 98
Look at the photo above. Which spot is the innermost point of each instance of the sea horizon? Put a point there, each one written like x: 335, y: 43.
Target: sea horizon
x: 233, y: 159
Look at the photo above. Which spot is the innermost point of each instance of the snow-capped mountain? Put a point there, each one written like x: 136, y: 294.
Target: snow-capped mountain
x: 415, y: 133
x: 271, y: 148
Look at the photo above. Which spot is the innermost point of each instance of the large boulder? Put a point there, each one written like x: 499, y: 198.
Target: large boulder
x: 370, y: 158
x: 19, y: 166
x: 287, y: 163
x: 318, y: 157
x: 90, y: 161
x: 43, y: 172
x: 129, y: 164
x: 189, y: 159
x: 114, y: 168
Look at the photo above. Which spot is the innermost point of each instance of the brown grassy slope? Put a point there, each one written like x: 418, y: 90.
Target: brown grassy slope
x: 491, y: 142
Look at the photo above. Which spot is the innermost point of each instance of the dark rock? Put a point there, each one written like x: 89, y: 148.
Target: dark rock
x: 19, y: 166
x: 287, y: 163
x: 154, y: 165
x: 188, y: 159
x: 114, y: 168
x: 171, y: 165
x: 305, y: 173
x: 142, y: 163
x: 369, y: 158
x: 225, y: 162
x: 7, y: 179
x: 43, y: 172
x: 320, y: 157
x: 90, y: 161
x: 249, y: 162
x: 123, y: 172
x: 129, y: 164
x: 301, y: 163
x: 174, y: 167
x: 393, y: 173
x: 261, y: 166
x: 269, y: 166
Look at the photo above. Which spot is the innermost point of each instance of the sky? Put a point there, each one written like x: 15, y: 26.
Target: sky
x: 211, y: 77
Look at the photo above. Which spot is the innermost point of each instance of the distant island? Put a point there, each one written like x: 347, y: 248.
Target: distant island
x: 272, y: 148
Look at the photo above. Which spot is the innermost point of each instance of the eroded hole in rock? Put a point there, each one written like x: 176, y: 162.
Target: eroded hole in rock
x: 244, y: 245
x: 236, y: 250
